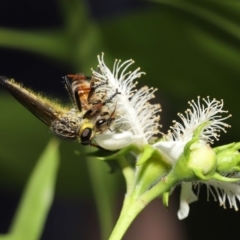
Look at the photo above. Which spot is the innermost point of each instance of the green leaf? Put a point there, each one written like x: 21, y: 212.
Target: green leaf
x: 50, y: 44
x: 37, y: 198
x: 77, y: 42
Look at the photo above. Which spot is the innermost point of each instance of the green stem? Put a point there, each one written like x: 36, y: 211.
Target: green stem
x: 133, y: 205
x: 129, y: 211
x: 128, y: 174
x: 163, y: 186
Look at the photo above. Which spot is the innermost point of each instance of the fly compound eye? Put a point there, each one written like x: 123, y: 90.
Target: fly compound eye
x: 86, y: 136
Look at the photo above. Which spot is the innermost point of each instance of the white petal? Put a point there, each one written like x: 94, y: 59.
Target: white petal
x: 172, y: 149
x: 187, y: 196
x: 113, y: 141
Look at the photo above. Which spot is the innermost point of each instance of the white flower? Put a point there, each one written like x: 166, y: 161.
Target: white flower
x: 200, y: 113
x: 136, y: 119
x: 174, y: 142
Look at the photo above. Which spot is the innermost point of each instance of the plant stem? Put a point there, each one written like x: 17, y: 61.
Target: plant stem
x: 128, y: 174
x: 127, y: 216
x: 134, y: 204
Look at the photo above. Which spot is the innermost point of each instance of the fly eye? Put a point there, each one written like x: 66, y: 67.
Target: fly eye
x: 86, y: 136
x: 100, y: 122
x: 96, y: 102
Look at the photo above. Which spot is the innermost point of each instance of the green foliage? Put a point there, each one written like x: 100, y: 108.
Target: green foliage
x: 37, y: 197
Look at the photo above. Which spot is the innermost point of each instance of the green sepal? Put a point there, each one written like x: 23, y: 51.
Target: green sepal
x: 198, y: 160
x: 122, y: 152
x: 228, y: 158
x: 147, y: 153
x: 165, y: 198
x: 151, y: 168
x: 221, y: 178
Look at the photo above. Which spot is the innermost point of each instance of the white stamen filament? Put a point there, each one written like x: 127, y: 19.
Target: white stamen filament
x: 198, y: 114
x: 226, y: 192
x: 134, y: 113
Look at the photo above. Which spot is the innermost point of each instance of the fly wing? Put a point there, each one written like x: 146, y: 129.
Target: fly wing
x: 44, y: 109
x: 80, y: 88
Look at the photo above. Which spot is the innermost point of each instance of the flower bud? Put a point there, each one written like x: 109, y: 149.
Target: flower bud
x: 198, y: 162
x: 202, y: 158
x: 228, y: 158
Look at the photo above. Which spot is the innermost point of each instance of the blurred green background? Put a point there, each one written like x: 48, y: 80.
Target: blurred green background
x: 187, y: 48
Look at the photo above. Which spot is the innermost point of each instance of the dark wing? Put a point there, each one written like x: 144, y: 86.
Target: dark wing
x: 79, y: 87
x: 41, y: 107
x: 68, y: 86
x: 72, y: 93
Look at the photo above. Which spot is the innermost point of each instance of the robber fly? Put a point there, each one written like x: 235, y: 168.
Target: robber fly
x: 91, y: 103
x: 89, y: 117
